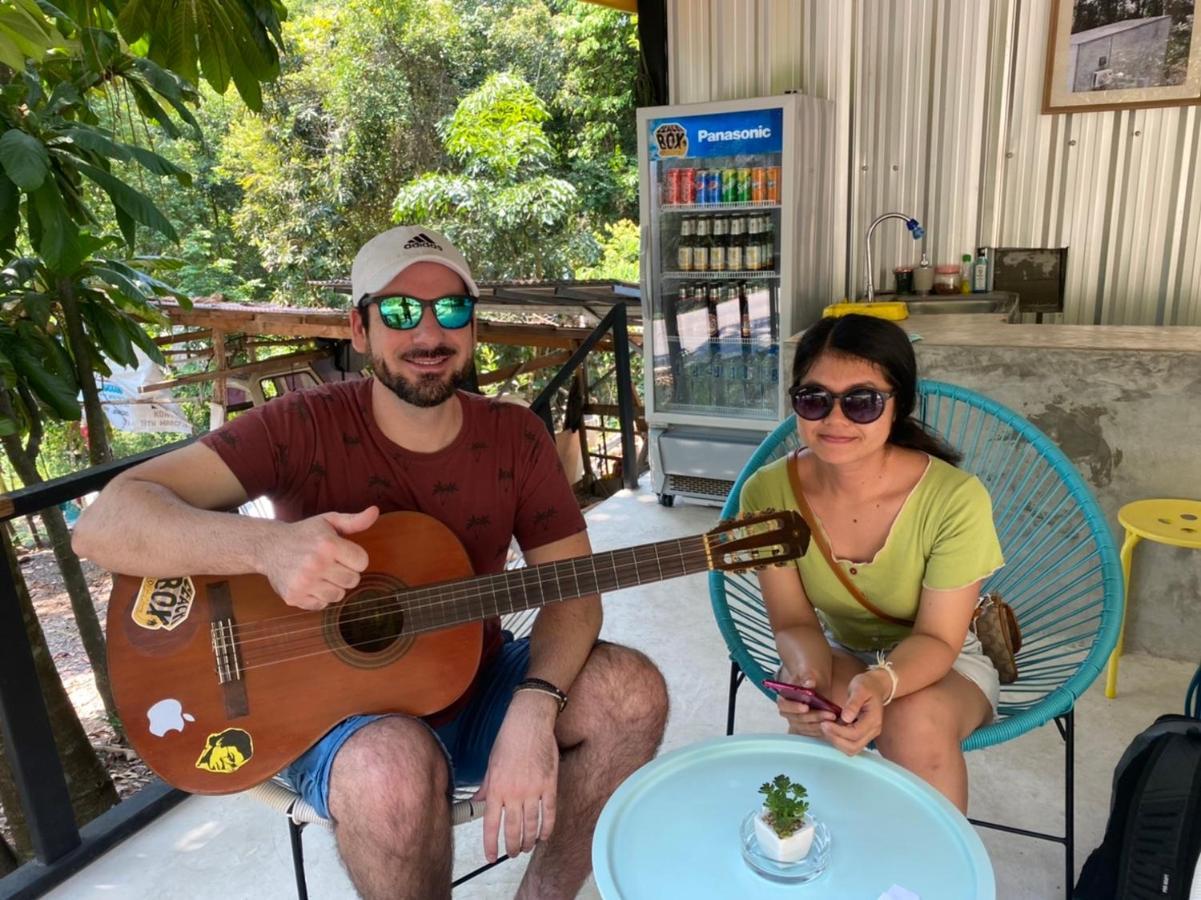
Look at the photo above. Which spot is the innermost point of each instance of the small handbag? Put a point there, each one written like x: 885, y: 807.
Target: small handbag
x: 996, y: 625
x: 994, y: 621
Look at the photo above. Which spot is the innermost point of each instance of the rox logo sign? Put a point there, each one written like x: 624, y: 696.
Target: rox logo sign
x: 671, y: 139
x: 163, y: 603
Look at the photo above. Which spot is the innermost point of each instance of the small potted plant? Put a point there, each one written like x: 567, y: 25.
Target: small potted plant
x: 783, y: 826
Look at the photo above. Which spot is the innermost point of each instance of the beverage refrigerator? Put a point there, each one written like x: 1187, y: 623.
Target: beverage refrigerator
x: 737, y: 214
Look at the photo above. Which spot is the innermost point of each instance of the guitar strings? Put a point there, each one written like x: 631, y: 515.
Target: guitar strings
x: 398, y: 602
x: 475, y: 587
x: 290, y: 654
x: 289, y: 649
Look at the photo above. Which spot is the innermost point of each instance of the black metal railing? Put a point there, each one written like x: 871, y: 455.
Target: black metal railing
x: 615, y: 322
x: 60, y: 847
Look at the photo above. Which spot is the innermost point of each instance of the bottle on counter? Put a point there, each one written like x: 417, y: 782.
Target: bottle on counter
x: 965, y: 274
x: 980, y: 272
x: 923, y: 276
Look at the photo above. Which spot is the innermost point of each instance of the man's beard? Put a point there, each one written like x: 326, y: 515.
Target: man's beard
x: 429, y: 390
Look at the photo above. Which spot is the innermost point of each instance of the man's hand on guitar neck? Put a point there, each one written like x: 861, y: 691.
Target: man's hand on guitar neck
x: 310, y: 564
x: 522, y: 780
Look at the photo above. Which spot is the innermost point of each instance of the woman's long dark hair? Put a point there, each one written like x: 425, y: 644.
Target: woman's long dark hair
x: 887, y: 346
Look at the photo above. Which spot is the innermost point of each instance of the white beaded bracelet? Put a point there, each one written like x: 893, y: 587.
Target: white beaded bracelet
x: 886, y: 665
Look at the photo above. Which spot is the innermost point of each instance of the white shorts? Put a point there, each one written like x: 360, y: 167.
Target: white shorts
x: 971, y: 663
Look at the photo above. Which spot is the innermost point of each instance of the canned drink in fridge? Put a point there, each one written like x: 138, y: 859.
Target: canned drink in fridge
x: 758, y: 184
x: 743, y: 191
x: 671, y: 194
x: 729, y: 186
x: 713, y: 185
x: 687, y: 186
x: 773, y: 184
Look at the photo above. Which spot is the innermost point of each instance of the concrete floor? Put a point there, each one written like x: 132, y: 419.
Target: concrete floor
x: 234, y: 847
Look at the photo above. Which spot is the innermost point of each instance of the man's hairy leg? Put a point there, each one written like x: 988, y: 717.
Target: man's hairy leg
x: 612, y: 725
x: 388, y: 799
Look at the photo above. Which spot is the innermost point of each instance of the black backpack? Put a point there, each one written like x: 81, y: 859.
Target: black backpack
x: 1153, y: 836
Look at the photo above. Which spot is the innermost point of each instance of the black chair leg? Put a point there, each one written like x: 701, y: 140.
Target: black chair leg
x: 302, y: 888
x: 1067, y: 730
x: 736, y: 678
x: 294, y: 832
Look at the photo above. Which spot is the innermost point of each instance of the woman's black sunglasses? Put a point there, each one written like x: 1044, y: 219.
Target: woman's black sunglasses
x: 860, y: 405
x: 402, y: 312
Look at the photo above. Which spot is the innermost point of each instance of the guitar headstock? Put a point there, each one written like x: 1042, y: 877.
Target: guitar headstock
x: 757, y: 540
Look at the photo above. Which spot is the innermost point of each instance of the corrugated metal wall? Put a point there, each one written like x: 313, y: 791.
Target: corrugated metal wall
x: 939, y: 117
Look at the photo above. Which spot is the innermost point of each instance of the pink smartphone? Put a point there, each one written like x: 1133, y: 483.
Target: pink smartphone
x: 803, y: 695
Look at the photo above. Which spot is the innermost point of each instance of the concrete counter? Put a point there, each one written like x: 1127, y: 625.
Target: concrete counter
x: 1124, y: 404
x: 994, y: 331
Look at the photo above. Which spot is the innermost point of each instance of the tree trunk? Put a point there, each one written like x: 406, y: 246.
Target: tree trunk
x: 8, y: 858
x: 86, y: 620
x: 88, y: 782
x: 21, y: 848
x: 99, y: 449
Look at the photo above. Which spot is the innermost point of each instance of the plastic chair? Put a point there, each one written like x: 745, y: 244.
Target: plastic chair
x: 1062, y: 574
x: 1173, y: 522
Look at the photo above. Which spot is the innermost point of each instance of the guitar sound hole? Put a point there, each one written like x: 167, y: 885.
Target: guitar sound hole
x: 370, y: 622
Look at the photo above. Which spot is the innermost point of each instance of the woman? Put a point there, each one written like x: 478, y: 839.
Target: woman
x: 911, y: 532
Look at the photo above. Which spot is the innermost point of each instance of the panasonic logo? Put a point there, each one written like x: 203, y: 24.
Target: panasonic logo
x: 745, y: 134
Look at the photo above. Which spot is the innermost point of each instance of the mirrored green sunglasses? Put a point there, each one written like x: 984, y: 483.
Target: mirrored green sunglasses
x: 403, y: 312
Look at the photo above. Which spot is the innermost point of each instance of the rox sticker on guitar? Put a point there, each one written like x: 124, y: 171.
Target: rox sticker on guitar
x: 163, y: 603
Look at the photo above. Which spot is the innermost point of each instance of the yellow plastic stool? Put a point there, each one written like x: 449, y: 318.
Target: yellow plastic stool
x: 1175, y: 522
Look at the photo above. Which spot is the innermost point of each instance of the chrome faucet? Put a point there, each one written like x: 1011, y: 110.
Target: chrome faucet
x: 911, y: 223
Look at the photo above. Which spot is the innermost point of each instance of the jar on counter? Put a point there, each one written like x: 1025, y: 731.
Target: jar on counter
x: 904, y: 279
x: 946, y: 279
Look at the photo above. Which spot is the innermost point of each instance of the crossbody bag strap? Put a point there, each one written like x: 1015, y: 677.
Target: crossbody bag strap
x: 818, y: 538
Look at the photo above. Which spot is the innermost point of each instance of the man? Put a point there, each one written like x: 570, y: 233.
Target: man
x: 332, y: 459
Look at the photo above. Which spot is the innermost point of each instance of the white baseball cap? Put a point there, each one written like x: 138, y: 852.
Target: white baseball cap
x: 388, y: 254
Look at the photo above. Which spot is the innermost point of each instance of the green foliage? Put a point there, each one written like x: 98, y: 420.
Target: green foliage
x: 620, y: 246
x: 786, y: 805
x: 236, y: 40
x: 25, y: 34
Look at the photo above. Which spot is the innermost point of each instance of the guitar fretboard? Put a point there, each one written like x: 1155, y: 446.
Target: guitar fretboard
x: 452, y: 603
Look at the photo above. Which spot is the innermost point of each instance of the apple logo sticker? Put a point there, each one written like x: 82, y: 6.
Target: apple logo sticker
x: 167, y: 715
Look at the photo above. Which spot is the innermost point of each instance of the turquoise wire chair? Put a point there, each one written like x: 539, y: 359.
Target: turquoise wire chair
x: 1062, y: 574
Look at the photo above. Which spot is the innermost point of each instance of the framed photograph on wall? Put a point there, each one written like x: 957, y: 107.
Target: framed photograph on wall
x: 1117, y: 54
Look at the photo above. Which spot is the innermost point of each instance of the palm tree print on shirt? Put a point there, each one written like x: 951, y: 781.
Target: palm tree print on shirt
x: 443, y: 489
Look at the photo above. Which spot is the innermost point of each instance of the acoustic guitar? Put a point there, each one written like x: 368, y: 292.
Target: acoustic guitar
x: 220, y: 684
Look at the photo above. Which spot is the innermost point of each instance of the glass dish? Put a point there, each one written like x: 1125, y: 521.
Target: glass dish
x: 807, y: 869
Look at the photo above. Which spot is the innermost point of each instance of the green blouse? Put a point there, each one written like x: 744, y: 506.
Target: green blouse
x: 943, y: 538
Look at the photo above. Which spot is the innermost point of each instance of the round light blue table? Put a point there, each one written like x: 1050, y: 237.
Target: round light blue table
x: 672, y: 829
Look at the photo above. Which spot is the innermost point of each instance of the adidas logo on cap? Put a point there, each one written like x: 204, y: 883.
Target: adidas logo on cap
x: 422, y: 240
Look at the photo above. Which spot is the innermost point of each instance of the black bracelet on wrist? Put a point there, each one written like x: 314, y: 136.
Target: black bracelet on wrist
x: 543, y: 687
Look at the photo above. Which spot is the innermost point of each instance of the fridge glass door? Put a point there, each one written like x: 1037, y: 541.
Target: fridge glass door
x: 715, y: 218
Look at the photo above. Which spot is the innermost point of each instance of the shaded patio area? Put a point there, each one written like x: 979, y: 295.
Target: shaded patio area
x: 234, y: 846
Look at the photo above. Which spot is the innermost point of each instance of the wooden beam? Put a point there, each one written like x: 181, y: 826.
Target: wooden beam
x: 532, y: 365
x: 334, y: 323
x: 194, y: 335
x: 297, y: 360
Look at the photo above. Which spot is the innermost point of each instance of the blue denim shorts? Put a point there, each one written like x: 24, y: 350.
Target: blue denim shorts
x: 466, y: 739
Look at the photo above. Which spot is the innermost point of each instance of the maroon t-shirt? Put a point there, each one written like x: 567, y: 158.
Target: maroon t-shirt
x: 321, y: 450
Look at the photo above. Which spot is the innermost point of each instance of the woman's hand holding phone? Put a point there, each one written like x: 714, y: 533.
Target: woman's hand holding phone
x: 801, y: 705
x: 862, y: 717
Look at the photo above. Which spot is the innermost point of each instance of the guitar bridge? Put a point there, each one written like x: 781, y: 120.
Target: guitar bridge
x: 227, y: 655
